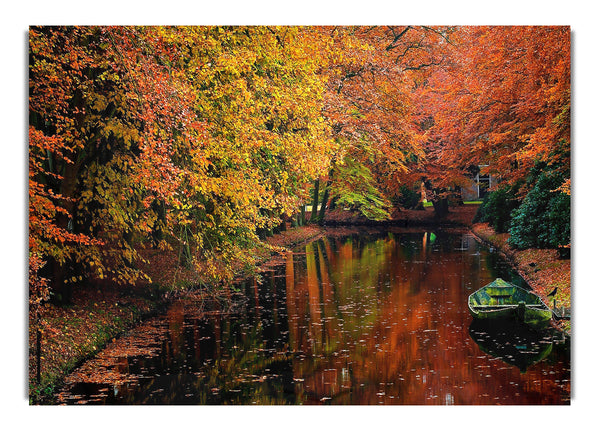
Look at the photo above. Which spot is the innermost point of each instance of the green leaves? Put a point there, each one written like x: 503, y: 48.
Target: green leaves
x: 543, y: 219
x: 355, y: 188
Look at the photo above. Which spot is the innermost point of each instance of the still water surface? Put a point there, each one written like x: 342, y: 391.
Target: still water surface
x: 353, y: 318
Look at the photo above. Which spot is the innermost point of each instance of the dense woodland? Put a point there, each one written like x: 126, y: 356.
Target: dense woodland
x: 201, y: 140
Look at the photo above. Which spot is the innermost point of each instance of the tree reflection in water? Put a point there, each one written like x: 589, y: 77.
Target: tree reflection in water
x: 370, y: 318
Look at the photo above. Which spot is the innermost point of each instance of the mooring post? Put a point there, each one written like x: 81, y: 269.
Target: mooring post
x: 521, y: 310
x: 38, y: 349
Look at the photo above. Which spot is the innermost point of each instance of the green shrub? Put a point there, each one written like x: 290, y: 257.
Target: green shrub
x: 543, y: 220
x: 496, y: 208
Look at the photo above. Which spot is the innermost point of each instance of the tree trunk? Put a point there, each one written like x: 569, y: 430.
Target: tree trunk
x: 441, y: 207
x: 325, y: 198
x: 68, y: 187
x: 38, y: 351
x: 323, y: 205
x: 60, y: 272
x: 333, y: 203
x: 458, y: 195
x: 440, y: 204
x: 422, y: 197
x: 313, y: 214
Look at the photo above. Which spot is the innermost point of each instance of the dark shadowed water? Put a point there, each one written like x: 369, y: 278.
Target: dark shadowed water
x: 366, y: 318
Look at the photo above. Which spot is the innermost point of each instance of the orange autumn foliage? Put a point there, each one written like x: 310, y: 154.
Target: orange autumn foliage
x: 184, y: 137
x: 197, y: 138
x: 501, y: 99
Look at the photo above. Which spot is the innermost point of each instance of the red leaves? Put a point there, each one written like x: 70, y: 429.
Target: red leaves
x: 374, y: 72
x: 45, y: 235
x: 503, y: 98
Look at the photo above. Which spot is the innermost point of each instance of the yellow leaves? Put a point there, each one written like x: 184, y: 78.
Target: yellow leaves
x: 74, y: 279
x: 211, y: 128
x: 100, y: 103
x: 283, y: 178
x: 182, y: 206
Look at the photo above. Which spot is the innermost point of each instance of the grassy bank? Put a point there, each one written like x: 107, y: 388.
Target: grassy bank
x: 102, y: 311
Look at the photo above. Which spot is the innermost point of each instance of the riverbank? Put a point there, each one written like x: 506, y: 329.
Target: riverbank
x: 542, y: 269
x: 101, y: 312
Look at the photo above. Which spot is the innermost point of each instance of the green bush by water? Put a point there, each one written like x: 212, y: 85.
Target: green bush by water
x: 497, y: 207
x: 543, y: 219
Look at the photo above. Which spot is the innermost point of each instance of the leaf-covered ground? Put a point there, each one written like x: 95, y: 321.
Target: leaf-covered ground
x: 101, y: 311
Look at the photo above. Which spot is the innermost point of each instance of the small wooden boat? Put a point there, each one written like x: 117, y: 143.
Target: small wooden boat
x: 503, y: 300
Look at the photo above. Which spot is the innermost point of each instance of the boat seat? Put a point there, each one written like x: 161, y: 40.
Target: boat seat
x: 495, y: 306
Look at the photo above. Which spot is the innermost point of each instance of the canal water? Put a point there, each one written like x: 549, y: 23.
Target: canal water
x: 370, y: 317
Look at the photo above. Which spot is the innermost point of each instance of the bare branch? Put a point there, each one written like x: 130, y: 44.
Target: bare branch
x: 397, y: 37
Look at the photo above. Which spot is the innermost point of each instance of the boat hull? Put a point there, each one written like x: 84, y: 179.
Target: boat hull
x: 502, y: 300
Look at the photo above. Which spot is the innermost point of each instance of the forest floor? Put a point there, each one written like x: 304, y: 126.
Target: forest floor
x: 102, y: 311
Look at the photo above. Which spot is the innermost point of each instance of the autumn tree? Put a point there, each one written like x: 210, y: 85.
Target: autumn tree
x: 260, y: 96
x: 192, y: 138
x: 115, y: 117
x: 373, y: 73
x: 502, y: 101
